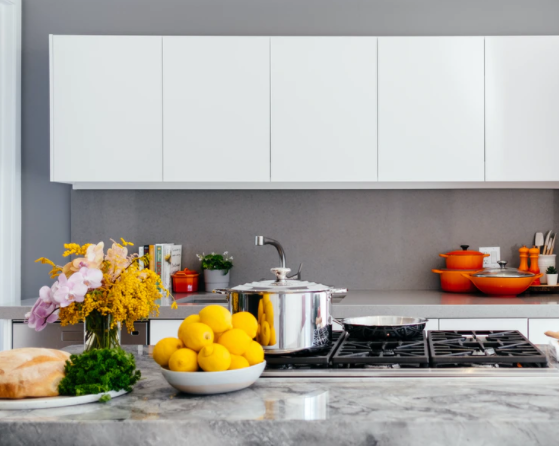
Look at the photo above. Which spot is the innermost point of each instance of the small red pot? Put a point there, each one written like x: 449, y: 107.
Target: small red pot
x: 464, y: 259
x: 455, y: 281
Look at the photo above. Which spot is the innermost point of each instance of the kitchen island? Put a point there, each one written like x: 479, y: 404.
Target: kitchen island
x: 313, y: 411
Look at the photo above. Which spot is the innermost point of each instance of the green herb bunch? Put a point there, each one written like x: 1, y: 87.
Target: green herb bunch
x: 99, y: 370
x: 551, y: 271
x: 216, y: 261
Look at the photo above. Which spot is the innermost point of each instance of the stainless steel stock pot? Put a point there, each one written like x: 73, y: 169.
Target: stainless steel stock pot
x: 293, y: 315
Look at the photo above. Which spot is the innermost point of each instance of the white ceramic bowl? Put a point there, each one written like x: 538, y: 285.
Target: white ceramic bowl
x: 214, y: 382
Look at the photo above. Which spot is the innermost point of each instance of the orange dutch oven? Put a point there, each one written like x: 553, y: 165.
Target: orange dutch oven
x: 502, y: 282
x: 464, y: 259
x: 454, y: 280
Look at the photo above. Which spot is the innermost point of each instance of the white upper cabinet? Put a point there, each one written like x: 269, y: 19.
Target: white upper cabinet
x: 216, y: 109
x: 431, y: 109
x: 324, y: 109
x: 106, y: 117
x: 522, y: 108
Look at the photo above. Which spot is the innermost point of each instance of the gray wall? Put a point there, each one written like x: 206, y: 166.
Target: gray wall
x: 334, y: 243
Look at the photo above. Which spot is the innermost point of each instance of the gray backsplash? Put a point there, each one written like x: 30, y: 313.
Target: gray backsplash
x: 361, y: 239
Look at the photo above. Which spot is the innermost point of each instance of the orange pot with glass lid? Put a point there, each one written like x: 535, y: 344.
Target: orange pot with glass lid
x: 464, y: 259
x: 502, y: 282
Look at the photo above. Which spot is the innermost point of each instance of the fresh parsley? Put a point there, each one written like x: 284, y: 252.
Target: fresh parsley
x: 97, y: 371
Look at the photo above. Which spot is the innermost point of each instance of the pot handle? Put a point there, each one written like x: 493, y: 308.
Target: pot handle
x: 539, y: 275
x: 221, y: 291
x: 437, y: 271
x: 338, y: 291
x: 486, y: 255
x: 467, y: 276
x: 443, y: 255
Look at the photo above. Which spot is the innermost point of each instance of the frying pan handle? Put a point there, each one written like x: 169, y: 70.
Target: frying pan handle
x: 336, y: 321
x: 436, y: 271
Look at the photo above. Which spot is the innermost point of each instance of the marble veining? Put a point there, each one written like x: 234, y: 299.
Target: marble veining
x: 281, y: 411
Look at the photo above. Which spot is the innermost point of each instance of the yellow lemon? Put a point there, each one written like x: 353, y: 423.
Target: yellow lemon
x: 235, y: 340
x: 265, y: 333
x: 254, y: 354
x: 164, y: 349
x: 269, y: 312
x: 245, y: 321
x: 260, y: 310
x: 197, y: 335
x: 217, y: 318
x: 272, y: 336
x: 194, y: 318
x: 238, y: 362
x: 214, y: 358
x: 184, y: 360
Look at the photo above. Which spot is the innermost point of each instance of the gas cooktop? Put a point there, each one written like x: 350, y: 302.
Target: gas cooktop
x: 432, y: 354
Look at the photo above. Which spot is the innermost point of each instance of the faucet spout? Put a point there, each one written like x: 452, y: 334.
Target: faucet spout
x: 261, y: 240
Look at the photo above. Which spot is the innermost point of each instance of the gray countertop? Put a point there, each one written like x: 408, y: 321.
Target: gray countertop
x: 420, y: 303
x: 358, y: 411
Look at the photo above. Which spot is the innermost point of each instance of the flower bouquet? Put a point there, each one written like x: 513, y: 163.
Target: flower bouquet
x: 101, y: 290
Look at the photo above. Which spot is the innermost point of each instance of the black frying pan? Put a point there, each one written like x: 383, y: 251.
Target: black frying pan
x: 383, y: 327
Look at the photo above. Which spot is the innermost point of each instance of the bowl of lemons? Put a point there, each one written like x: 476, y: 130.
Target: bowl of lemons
x: 214, y: 352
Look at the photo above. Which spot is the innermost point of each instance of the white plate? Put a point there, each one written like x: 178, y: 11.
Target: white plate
x: 214, y: 382
x: 53, y: 402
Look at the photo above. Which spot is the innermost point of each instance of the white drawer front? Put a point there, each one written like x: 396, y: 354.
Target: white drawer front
x: 485, y: 324
x: 159, y: 329
x: 537, y: 328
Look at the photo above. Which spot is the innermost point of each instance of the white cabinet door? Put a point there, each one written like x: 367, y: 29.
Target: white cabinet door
x: 324, y: 109
x: 537, y: 328
x: 159, y: 329
x: 485, y: 324
x: 522, y: 108
x: 216, y: 109
x: 430, y: 109
x: 106, y: 114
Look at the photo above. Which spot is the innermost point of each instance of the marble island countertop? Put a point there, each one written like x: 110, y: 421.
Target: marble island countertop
x: 415, y: 303
x: 359, y: 411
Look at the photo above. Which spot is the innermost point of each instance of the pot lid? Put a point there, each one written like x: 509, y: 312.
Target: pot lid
x: 291, y: 286
x: 502, y: 272
x: 281, y: 284
x: 464, y: 252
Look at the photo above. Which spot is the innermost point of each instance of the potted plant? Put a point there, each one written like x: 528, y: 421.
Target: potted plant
x: 551, y: 276
x: 216, y: 270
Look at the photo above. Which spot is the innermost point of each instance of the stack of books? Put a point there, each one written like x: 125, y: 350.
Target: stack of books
x: 164, y: 259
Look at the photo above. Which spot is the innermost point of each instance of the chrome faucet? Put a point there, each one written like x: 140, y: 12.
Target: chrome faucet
x: 261, y: 241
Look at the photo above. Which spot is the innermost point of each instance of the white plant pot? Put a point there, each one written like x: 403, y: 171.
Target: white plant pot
x: 216, y: 279
x: 552, y: 280
x: 544, y: 261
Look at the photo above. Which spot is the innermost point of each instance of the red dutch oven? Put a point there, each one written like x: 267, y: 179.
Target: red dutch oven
x: 455, y: 281
x: 464, y: 259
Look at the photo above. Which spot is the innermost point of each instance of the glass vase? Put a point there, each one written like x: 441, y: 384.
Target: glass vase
x: 99, y: 333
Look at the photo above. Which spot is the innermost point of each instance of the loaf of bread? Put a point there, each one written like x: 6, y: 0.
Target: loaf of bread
x: 31, y: 372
